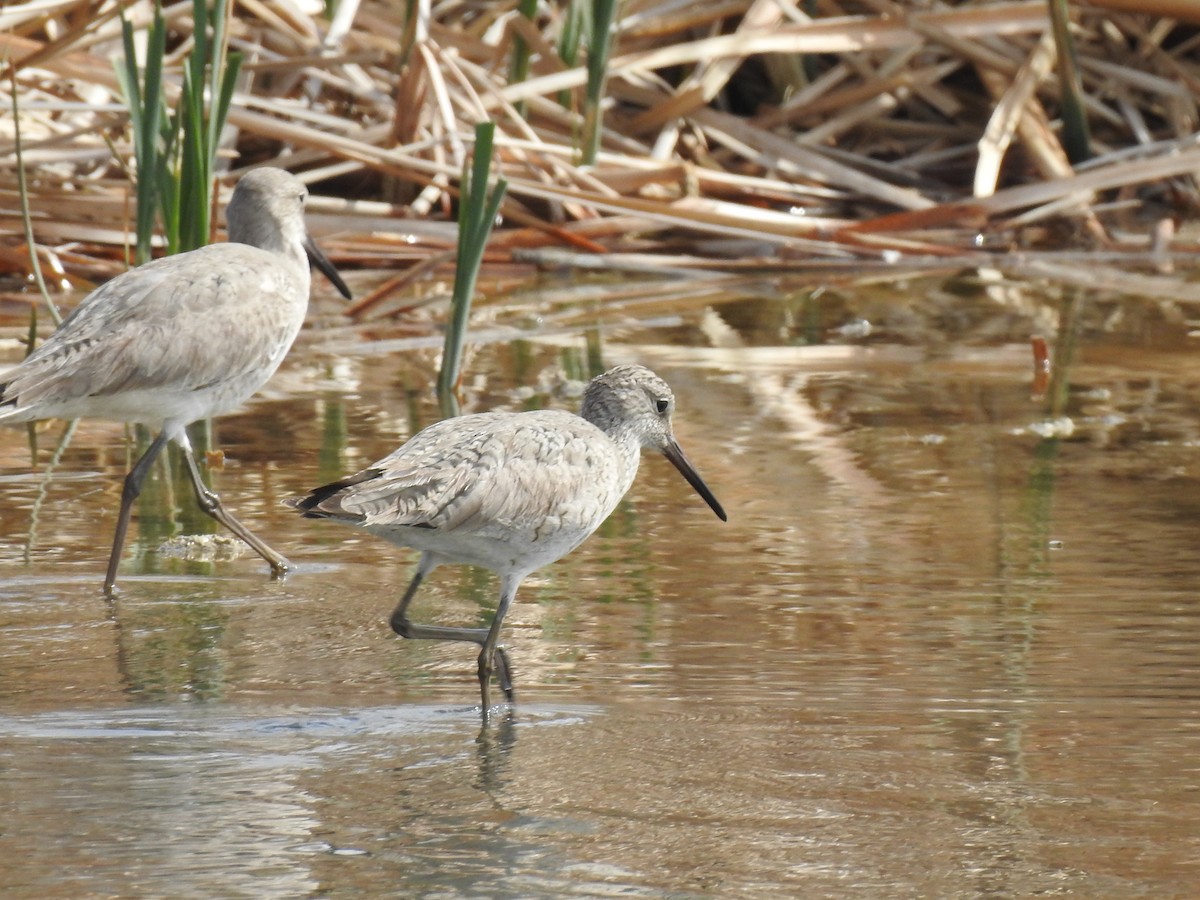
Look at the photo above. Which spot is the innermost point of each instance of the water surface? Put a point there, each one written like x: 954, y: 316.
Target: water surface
x: 947, y: 644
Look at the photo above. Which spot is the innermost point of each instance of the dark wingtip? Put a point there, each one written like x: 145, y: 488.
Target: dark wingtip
x: 310, y: 505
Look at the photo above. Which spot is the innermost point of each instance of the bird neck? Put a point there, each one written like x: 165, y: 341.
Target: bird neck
x: 629, y: 448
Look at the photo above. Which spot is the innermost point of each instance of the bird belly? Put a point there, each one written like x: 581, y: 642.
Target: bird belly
x: 506, y: 553
x: 150, y: 406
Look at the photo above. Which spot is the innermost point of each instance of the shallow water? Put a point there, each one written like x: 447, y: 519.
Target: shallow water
x: 932, y: 653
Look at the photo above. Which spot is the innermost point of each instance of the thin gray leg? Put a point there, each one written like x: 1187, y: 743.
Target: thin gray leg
x: 211, y: 504
x: 485, y: 637
x: 490, y: 652
x: 129, y: 493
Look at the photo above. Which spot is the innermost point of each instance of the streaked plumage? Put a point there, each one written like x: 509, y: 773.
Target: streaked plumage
x: 182, y: 338
x: 510, y: 492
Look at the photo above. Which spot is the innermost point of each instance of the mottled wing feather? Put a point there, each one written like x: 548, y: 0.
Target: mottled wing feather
x: 490, y: 474
x: 158, y: 324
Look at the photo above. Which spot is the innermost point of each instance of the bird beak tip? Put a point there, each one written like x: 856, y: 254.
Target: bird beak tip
x: 675, y: 454
x: 321, y: 261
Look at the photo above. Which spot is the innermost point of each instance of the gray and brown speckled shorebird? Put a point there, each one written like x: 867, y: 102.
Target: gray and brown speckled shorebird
x: 182, y: 338
x: 509, y: 492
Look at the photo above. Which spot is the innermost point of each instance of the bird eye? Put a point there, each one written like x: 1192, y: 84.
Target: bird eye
x: 662, y: 404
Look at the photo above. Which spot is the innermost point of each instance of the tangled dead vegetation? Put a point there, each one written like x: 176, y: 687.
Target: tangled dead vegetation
x: 735, y: 132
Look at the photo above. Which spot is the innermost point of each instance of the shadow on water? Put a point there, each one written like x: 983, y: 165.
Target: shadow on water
x: 947, y: 644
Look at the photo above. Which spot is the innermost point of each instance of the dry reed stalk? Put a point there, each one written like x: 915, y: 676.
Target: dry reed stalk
x: 874, y: 127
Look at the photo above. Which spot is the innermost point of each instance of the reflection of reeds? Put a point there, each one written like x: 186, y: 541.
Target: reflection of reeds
x: 43, y: 489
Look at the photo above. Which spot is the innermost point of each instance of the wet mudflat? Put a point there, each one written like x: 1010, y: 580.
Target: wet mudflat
x: 948, y: 643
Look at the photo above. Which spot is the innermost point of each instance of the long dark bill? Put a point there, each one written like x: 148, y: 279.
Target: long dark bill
x: 321, y: 261
x: 673, y: 452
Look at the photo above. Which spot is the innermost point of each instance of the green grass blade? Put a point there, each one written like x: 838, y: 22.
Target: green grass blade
x: 1076, y: 136
x: 168, y: 185
x: 210, y: 76
x: 127, y: 77
x: 476, y: 214
x: 143, y: 96
x: 570, y: 39
x: 224, y: 96
x: 518, y: 67
x: 193, y: 211
x: 599, y: 46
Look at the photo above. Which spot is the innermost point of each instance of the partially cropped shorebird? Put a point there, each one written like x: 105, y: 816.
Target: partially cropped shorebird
x: 510, y: 492
x: 182, y: 338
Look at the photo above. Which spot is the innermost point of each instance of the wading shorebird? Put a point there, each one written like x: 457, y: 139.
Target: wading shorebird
x: 182, y: 338
x: 509, y: 492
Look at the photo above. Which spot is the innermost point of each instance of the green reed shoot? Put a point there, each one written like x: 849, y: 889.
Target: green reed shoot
x: 1076, y: 137
x: 143, y: 93
x: 408, y: 35
x: 575, y: 24
x: 518, y: 67
x: 210, y: 70
x: 477, y: 209
x: 599, y: 47
x: 176, y: 153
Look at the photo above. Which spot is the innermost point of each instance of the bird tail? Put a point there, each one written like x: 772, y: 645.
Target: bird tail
x: 10, y: 409
x: 321, y: 503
